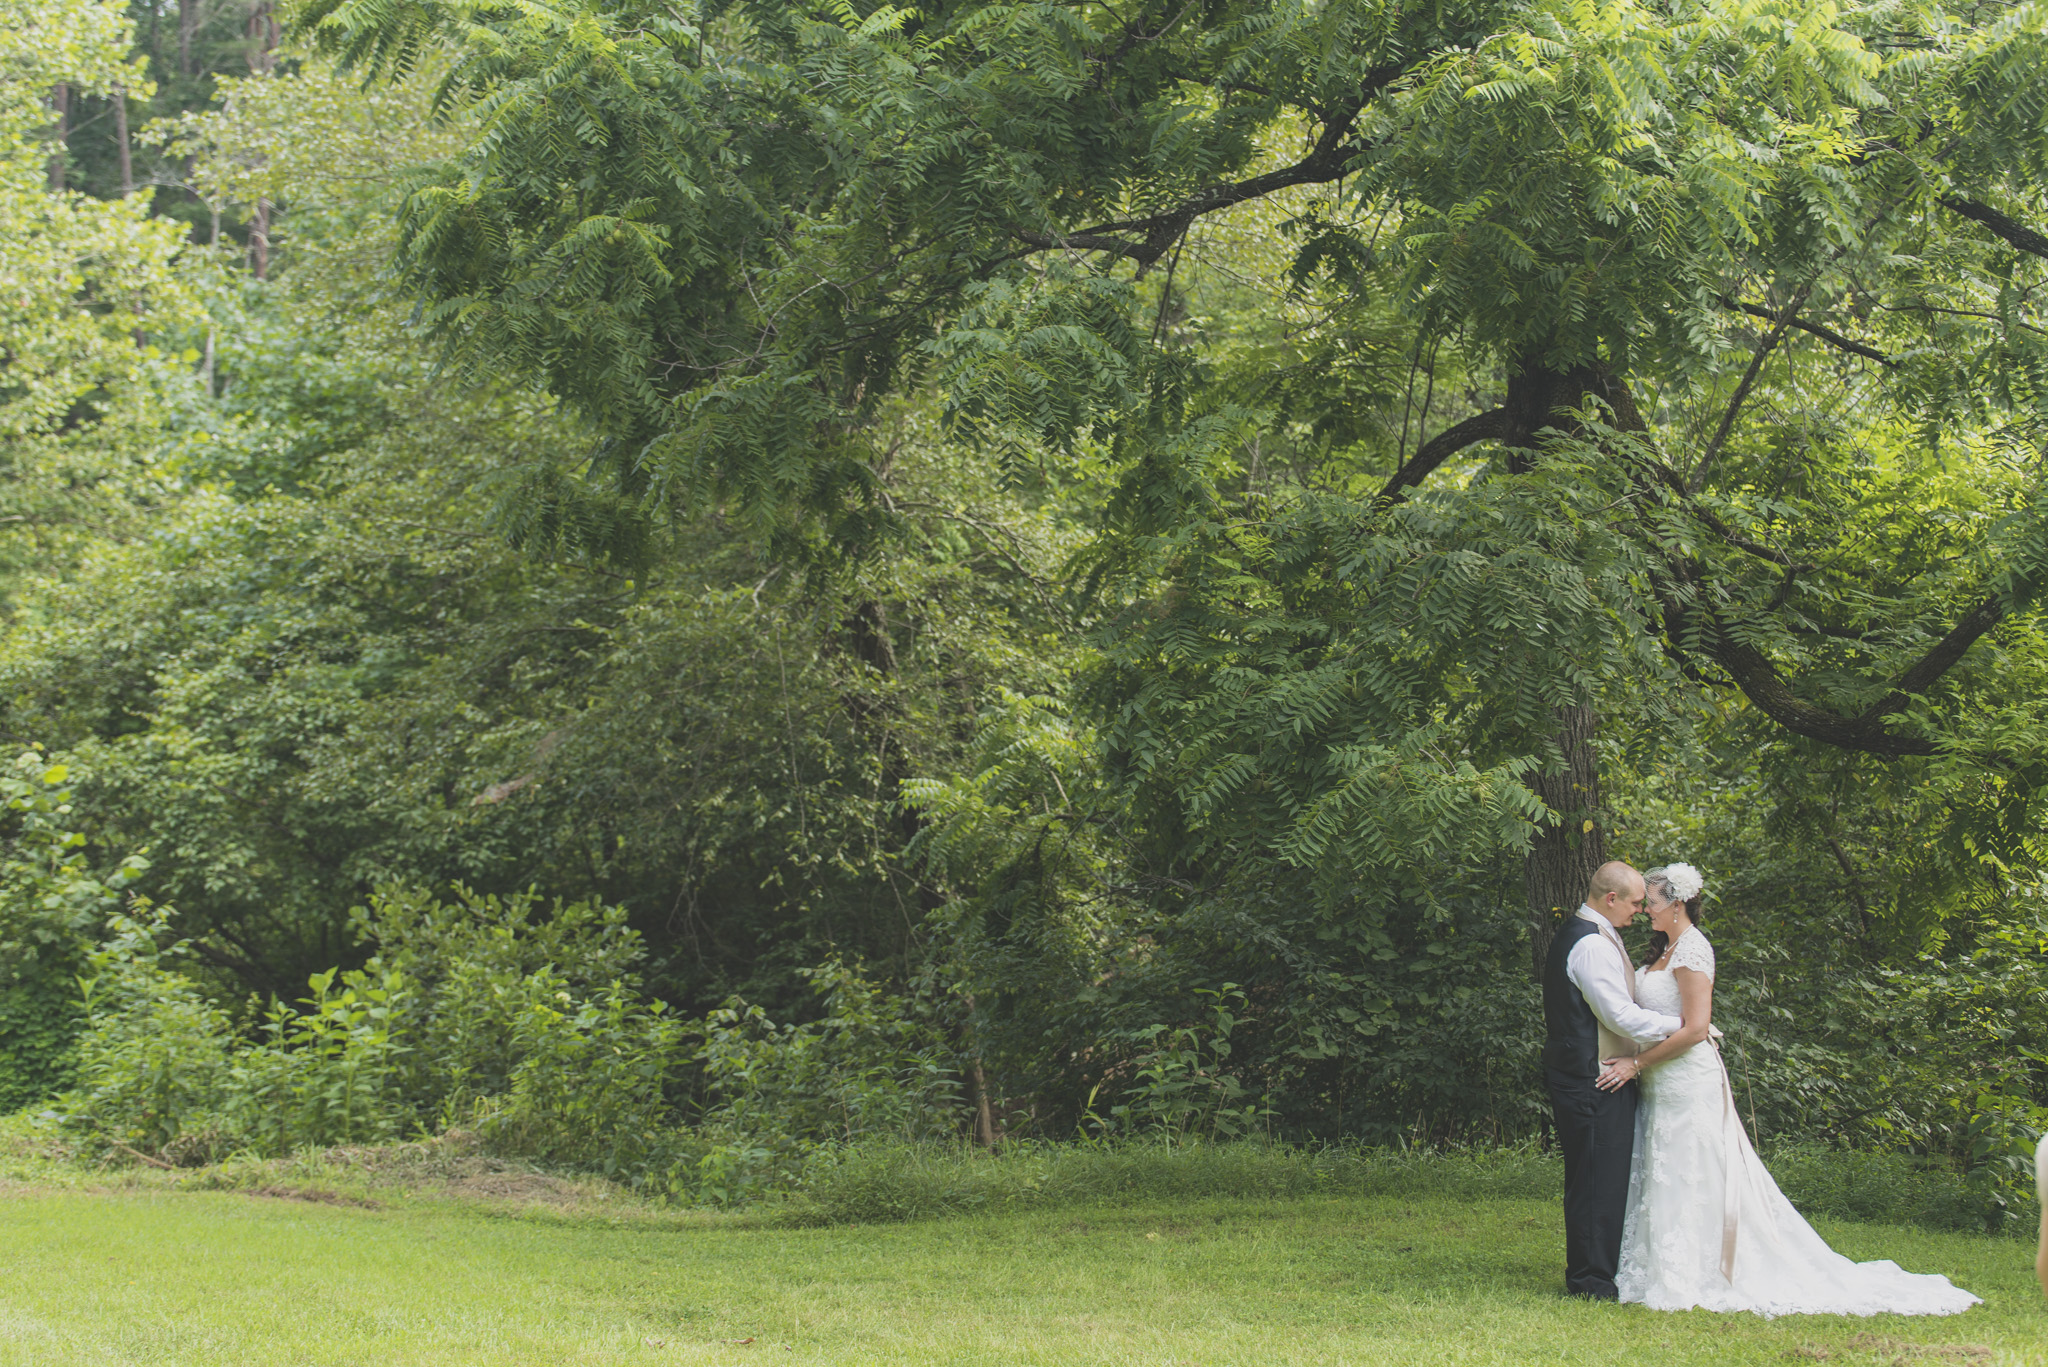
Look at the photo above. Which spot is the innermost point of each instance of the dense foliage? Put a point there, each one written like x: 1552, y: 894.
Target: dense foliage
x: 1175, y: 537
x: 531, y: 1030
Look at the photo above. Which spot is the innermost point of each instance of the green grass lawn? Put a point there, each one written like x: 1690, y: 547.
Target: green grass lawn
x: 225, y: 1278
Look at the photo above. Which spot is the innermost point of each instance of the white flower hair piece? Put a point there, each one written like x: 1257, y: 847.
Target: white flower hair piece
x: 1684, y: 881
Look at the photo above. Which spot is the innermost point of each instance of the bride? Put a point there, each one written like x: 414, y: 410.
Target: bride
x: 1706, y: 1225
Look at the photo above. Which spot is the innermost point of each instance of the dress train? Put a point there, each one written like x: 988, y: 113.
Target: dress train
x: 1707, y: 1227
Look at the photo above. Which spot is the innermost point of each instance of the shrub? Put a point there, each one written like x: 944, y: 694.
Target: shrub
x: 39, y: 1024
x: 327, y: 1074
x: 1934, y: 1061
x: 1180, y: 1087
x: 1893, y: 1188
x: 594, y: 1082
x: 473, y: 962
x: 155, y: 1057
x: 462, y: 1003
x: 774, y: 1095
x: 50, y: 902
x: 532, y: 1028
x: 867, y: 1183
x: 868, y: 1068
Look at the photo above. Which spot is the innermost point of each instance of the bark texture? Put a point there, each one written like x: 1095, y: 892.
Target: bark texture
x: 1562, y: 859
x: 60, y: 105
x: 121, y: 147
x: 262, y: 57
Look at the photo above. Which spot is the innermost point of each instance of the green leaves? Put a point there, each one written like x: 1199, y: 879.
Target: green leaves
x: 1387, y: 381
x: 52, y: 900
x: 81, y: 276
x: 1358, y: 691
x: 729, y: 259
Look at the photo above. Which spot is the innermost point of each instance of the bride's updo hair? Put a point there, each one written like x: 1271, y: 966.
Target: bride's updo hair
x: 1673, y: 883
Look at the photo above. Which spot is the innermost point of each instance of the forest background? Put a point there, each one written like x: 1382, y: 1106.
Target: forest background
x: 722, y: 579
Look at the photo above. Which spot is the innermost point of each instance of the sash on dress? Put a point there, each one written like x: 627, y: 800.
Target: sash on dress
x: 1732, y: 1147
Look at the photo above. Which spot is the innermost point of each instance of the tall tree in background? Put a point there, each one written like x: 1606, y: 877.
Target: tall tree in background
x: 183, y: 50
x: 82, y: 272
x: 1474, y: 439
x: 262, y: 61
x: 1723, y: 276
x: 60, y: 134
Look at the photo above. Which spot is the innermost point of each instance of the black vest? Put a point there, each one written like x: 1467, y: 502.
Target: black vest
x: 1571, y: 1032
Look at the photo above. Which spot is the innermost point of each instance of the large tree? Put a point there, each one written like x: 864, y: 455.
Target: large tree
x: 1722, y: 285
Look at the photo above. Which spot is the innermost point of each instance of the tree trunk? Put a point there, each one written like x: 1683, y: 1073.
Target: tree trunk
x: 1539, y: 397
x: 60, y: 102
x: 262, y: 57
x: 263, y: 29
x: 188, y: 24
x: 869, y: 638
x: 121, y: 141
x: 985, y: 1132
x: 259, y: 240
x: 262, y: 39
x: 1562, y: 860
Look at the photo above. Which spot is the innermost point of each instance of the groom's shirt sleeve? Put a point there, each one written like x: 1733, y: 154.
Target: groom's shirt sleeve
x: 1599, y: 971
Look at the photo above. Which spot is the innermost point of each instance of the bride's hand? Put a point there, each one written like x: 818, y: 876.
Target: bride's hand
x: 1617, y: 1073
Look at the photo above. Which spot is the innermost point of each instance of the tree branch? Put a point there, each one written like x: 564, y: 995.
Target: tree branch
x: 1755, y: 548
x: 249, y: 970
x: 1087, y: 242
x: 2013, y: 231
x: 1741, y: 395
x: 137, y: 1153
x: 1826, y: 334
x: 1670, y: 480
x: 1937, y: 661
x: 1761, y: 683
x: 1489, y: 425
x: 989, y: 531
x: 1327, y: 161
x: 1855, y: 883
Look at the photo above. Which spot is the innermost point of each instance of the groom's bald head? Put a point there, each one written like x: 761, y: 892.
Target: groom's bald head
x: 1613, y: 876
x: 1616, y: 892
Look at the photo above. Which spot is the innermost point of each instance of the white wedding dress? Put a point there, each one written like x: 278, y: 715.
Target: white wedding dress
x: 1707, y: 1228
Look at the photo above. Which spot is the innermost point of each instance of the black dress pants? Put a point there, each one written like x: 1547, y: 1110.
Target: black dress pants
x: 1597, y: 1131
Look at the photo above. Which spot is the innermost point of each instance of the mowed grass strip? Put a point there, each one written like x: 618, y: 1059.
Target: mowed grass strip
x: 219, y: 1279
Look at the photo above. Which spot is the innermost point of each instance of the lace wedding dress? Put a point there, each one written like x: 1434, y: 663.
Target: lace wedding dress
x: 1706, y: 1225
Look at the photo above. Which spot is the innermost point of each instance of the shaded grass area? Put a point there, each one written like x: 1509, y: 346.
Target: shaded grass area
x: 870, y: 1185
x: 164, y: 1277
x: 881, y: 1183
x: 898, y: 1183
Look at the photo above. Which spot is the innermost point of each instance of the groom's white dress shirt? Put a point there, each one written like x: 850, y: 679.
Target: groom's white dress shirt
x: 1599, y: 967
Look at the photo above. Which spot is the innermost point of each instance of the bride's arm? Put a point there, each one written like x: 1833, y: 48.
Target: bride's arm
x: 2041, y: 1258
x: 1696, y: 1009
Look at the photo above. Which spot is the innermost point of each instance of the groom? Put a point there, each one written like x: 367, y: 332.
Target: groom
x: 1589, y: 1014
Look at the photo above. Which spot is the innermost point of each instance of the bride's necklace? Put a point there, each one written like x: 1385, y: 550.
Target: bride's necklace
x: 1665, y: 957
